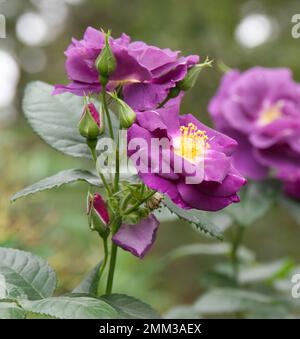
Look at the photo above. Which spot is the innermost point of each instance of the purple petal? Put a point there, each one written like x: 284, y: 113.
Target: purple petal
x: 77, y: 88
x: 165, y: 186
x: 128, y: 68
x: 195, y: 198
x: 245, y: 160
x: 150, y: 56
x: 143, y: 96
x: 137, y: 239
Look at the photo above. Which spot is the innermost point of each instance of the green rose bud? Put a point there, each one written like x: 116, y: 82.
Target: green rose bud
x: 192, y: 75
x: 98, y: 215
x: 90, y: 124
x: 127, y: 115
x: 106, y: 62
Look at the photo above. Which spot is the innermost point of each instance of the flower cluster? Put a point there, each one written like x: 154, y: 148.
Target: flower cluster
x: 191, y: 163
x: 146, y: 73
x: 260, y: 108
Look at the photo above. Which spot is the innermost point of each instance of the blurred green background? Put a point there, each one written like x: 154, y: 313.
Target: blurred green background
x: 53, y: 224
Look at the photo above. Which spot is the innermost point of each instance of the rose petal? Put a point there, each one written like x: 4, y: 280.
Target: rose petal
x: 137, y: 239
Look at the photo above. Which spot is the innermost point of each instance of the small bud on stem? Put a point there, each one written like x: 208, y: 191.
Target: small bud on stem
x: 106, y: 62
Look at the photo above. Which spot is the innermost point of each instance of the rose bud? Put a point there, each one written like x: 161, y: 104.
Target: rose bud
x: 106, y: 62
x: 192, y: 75
x: 127, y: 115
x: 90, y: 124
x: 98, y: 214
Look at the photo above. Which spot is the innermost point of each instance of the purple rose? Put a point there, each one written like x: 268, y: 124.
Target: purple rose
x: 260, y: 108
x: 193, y: 166
x: 147, y: 73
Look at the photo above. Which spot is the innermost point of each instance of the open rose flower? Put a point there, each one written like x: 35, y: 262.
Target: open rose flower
x: 193, y: 166
x: 147, y: 73
x: 260, y: 108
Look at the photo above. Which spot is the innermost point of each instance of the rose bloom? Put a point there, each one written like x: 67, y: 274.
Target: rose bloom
x: 206, y: 180
x: 260, y: 108
x: 147, y: 73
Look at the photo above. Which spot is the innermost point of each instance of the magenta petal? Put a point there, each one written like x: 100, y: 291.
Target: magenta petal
x: 245, y: 159
x: 94, y: 113
x: 77, y: 88
x: 137, y: 239
x: 144, y: 96
x: 101, y: 209
x: 193, y: 195
x: 168, y: 187
x: 150, y: 56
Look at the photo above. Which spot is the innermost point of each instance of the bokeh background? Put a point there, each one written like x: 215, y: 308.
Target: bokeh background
x: 53, y: 224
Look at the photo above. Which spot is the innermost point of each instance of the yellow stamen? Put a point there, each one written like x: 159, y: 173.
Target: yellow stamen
x: 270, y: 114
x: 192, y: 143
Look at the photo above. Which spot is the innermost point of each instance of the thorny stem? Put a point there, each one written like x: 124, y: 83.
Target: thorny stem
x: 117, y: 174
x: 103, y: 265
x: 138, y: 204
x: 105, y: 106
x: 93, y: 151
x: 113, y: 257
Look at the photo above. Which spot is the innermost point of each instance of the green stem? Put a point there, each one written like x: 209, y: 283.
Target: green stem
x: 105, y: 106
x: 236, y: 243
x: 162, y: 104
x: 117, y: 175
x: 105, y: 183
x: 113, y: 257
x: 103, y: 266
x: 112, y: 266
x: 138, y: 204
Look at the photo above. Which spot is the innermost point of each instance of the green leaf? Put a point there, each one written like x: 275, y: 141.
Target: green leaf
x: 197, y: 218
x: 58, y: 180
x: 271, y: 312
x: 256, y: 200
x: 89, y: 284
x: 227, y: 300
x: 182, y: 312
x: 55, y: 118
x: 293, y: 207
x: 26, y: 275
x: 264, y: 272
x: 11, y: 311
x: 67, y: 307
x: 3, y: 287
x: 213, y: 279
x: 130, y: 308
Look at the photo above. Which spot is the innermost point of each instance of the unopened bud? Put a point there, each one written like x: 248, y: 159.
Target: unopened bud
x: 127, y: 115
x: 98, y: 214
x: 192, y: 75
x: 106, y: 62
x: 90, y: 123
